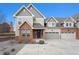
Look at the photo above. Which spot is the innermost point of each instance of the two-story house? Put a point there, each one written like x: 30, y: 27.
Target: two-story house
x: 32, y: 25
x: 29, y: 23
x: 61, y: 28
x: 69, y: 30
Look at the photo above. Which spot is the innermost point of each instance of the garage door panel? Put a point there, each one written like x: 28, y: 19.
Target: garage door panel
x: 52, y: 35
x: 68, y: 35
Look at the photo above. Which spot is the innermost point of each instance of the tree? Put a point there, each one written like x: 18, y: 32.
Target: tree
x: 4, y: 27
x: 2, y: 18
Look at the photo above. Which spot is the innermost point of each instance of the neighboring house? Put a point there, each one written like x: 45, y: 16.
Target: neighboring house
x: 69, y: 22
x: 69, y: 30
x: 76, y: 17
x: 52, y: 30
x: 65, y: 28
x: 51, y: 22
x: 29, y: 23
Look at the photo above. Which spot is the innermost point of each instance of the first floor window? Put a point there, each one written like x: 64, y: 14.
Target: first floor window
x: 25, y: 32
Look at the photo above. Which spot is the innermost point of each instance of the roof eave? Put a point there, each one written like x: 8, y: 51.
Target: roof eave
x: 14, y: 15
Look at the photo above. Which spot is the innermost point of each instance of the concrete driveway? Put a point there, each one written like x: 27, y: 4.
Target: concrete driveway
x: 52, y: 47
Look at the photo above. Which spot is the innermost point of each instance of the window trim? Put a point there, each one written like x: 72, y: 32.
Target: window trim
x: 25, y: 32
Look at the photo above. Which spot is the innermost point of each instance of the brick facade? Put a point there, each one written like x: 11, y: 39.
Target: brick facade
x: 25, y: 25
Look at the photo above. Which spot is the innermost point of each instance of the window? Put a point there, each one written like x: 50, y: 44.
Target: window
x: 66, y: 24
x: 61, y: 24
x: 25, y: 32
x: 49, y: 24
x: 19, y: 22
x: 52, y: 24
x: 45, y: 24
x: 70, y: 24
x: 24, y: 10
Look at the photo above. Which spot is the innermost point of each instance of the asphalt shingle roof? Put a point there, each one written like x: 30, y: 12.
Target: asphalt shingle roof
x: 60, y: 20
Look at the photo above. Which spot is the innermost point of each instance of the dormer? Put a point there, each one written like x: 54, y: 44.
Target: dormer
x: 51, y: 22
x: 69, y: 22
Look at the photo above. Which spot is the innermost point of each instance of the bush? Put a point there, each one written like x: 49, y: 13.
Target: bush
x: 20, y: 42
x: 41, y: 42
x: 12, y: 50
x: 6, y: 53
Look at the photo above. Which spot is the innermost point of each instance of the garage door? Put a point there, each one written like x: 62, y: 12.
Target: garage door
x: 68, y: 35
x: 52, y: 35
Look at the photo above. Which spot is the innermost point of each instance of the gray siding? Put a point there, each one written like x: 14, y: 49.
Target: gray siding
x: 24, y: 12
x: 35, y: 12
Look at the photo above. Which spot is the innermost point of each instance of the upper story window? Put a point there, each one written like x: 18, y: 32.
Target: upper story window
x: 61, y: 24
x: 66, y: 24
x: 45, y: 24
x: 69, y: 24
x: 51, y: 24
x: 19, y: 22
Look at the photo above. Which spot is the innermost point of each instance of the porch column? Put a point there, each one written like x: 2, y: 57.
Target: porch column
x: 43, y: 36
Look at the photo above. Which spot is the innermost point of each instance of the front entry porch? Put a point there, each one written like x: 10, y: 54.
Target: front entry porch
x: 38, y: 34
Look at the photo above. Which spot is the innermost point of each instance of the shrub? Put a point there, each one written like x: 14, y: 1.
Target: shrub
x: 20, y: 42
x: 12, y: 50
x: 6, y: 53
x: 41, y: 42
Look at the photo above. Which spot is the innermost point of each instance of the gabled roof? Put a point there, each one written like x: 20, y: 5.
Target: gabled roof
x: 69, y: 19
x: 60, y: 20
x: 76, y: 17
x: 35, y: 11
x: 24, y: 24
x: 23, y: 11
x: 51, y: 19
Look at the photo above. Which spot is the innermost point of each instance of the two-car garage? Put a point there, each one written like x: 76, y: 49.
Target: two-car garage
x: 58, y: 34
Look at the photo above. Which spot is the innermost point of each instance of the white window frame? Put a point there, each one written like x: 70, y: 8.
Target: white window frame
x: 19, y: 22
x: 25, y: 32
x: 51, y: 24
x: 72, y: 24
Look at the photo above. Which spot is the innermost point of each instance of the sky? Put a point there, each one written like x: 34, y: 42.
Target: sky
x: 48, y: 9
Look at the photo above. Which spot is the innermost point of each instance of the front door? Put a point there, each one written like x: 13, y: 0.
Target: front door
x: 37, y: 34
